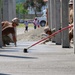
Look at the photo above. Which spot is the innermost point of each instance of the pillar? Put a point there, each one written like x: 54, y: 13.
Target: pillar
x: 74, y: 25
x: 49, y: 20
x: 0, y: 24
x: 58, y: 23
x: 53, y: 21
x: 65, y: 36
x: 9, y: 10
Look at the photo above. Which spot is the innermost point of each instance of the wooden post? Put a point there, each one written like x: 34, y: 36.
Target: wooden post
x: 65, y: 33
x: 58, y: 23
x: 0, y: 24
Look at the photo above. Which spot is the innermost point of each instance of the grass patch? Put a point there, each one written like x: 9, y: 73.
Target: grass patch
x: 21, y: 25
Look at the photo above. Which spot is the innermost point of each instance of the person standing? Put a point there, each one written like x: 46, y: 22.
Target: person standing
x: 26, y: 25
x: 35, y: 23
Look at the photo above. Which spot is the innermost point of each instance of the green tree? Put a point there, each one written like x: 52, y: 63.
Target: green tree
x: 36, y: 4
x: 20, y: 9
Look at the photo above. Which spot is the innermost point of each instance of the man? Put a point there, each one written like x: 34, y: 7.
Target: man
x: 70, y: 11
x: 71, y: 19
x: 48, y: 31
x: 9, y: 28
x: 26, y: 25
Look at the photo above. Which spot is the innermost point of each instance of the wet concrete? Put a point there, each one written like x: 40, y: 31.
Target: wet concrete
x: 42, y: 59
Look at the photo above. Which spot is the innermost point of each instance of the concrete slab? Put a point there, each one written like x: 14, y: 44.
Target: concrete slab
x: 48, y: 59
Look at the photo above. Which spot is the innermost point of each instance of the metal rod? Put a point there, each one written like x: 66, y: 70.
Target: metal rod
x: 50, y: 36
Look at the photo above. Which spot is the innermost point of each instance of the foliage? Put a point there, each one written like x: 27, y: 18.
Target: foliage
x: 34, y: 4
x: 38, y: 4
x: 20, y: 9
x: 22, y: 6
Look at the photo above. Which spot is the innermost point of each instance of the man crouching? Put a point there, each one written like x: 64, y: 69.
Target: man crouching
x: 48, y: 31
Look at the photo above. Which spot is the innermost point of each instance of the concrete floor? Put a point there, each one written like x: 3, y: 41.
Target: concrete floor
x: 48, y: 59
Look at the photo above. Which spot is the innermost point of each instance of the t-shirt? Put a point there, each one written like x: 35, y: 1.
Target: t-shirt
x: 26, y: 23
x: 35, y: 22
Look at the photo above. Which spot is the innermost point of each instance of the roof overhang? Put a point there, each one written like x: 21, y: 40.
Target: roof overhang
x: 45, y: 0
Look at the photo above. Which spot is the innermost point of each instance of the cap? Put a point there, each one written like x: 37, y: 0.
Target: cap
x: 71, y: 2
x: 46, y: 29
x: 15, y: 20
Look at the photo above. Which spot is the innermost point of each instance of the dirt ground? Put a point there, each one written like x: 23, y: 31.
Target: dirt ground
x: 32, y: 35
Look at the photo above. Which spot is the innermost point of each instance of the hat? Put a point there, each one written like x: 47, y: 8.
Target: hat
x: 71, y: 2
x: 16, y: 20
x: 46, y: 29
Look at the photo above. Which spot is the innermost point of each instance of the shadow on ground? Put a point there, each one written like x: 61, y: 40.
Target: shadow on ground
x: 13, y: 56
x: 4, y: 74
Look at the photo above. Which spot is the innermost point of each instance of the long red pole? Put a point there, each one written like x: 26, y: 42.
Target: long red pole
x: 50, y: 36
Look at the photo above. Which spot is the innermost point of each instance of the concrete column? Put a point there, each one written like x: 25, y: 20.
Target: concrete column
x: 8, y: 10
x: 53, y: 23
x: 14, y: 8
x: 74, y: 25
x: 14, y: 13
x: 5, y: 10
x: 58, y: 23
x: 65, y: 36
x: 49, y: 14
x: 0, y: 24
